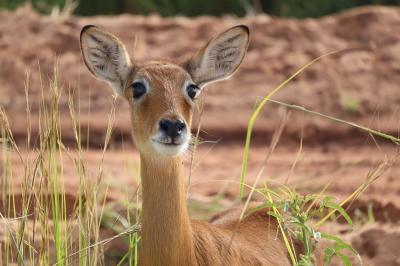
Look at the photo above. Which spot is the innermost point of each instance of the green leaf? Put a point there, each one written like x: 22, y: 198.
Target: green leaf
x: 345, y: 259
x: 305, y: 261
x: 328, y: 255
x: 332, y: 237
x: 343, y: 246
x: 273, y: 214
x: 338, y: 208
x: 265, y: 205
x: 270, y: 191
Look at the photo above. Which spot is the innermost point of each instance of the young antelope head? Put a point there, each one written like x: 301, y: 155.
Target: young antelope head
x: 162, y: 95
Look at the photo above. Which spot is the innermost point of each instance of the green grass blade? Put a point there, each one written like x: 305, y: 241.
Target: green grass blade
x: 256, y: 113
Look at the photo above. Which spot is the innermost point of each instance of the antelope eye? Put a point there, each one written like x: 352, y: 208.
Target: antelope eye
x: 192, y: 91
x: 139, y: 89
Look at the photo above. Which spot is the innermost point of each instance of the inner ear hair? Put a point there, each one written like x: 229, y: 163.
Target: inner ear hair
x: 105, y: 56
x: 220, y: 58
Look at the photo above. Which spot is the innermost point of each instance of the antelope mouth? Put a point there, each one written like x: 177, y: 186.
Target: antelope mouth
x: 169, y: 147
x: 168, y: 144
x: 168, y: 141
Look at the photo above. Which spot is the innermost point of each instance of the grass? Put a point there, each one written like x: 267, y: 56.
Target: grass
x: 44, y: 226
x: 294, y: 211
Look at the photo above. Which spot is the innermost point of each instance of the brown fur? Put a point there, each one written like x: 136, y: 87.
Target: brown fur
x: 165, y: 100
x: 169, y: 237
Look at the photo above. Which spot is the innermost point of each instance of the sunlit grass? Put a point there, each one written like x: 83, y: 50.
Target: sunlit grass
x: 44, y: 224
x: 293, y: 211
x: 43, y: 230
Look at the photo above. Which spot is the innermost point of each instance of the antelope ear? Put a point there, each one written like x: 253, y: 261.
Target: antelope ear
x: 220, y: 58
x: 105, y: 56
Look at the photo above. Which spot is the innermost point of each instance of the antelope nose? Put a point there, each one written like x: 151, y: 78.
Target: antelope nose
x: 172, y: 129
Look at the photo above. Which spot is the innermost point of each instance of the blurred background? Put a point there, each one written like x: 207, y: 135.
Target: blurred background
x: 281, y: 8
x: 41, y: 67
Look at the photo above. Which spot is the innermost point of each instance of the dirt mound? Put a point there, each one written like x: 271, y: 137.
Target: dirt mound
x: 360, y: 83
x: 379, y: 210
x: 378, y: 245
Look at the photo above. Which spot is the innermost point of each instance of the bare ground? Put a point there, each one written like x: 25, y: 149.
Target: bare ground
x: 360, y: 83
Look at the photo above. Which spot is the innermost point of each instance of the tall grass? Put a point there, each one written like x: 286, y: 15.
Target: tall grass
x: 44, y: 225
x: 299, y: 216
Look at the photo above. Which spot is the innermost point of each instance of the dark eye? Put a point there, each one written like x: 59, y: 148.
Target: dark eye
x: 192, y: 91
x: 139, y: 89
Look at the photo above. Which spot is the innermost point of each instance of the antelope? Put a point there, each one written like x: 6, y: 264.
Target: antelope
x: 162, y: 98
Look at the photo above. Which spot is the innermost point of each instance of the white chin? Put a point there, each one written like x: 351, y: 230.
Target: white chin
x: 170, y: 150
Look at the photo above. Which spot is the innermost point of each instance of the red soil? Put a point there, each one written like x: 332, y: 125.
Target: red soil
x: 360, y: 83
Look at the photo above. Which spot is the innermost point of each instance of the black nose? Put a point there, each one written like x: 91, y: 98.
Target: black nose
x: 172, y: 129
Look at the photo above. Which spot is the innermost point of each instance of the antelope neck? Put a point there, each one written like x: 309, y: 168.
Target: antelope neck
x: 166, y: 229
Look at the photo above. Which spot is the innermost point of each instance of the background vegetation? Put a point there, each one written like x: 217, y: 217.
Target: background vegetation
x: 284, y: 8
